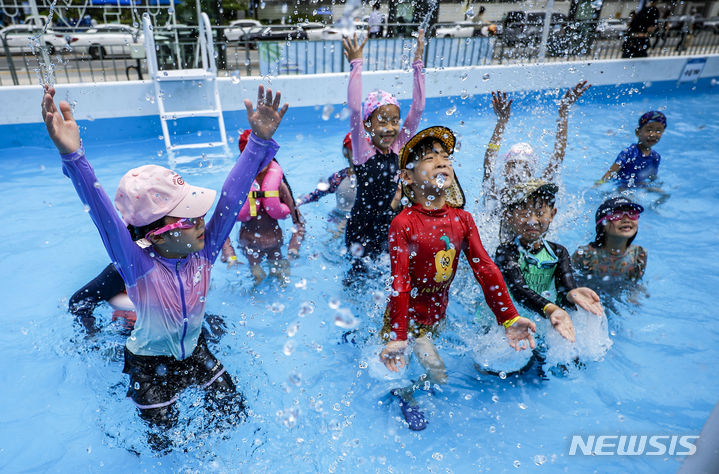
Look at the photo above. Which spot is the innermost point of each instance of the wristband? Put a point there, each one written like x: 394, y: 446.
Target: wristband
x: 493, y: 146
x: 506, y: 324
x: 544, y: 310
x: 232, y: 258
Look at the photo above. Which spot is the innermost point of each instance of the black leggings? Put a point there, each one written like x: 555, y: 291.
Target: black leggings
x: 107, y: 284
x: 156, y: 382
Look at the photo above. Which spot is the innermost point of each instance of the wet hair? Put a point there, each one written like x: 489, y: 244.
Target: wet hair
x: 538, y: 198
x: 423, y: 147
x: 139, y: 232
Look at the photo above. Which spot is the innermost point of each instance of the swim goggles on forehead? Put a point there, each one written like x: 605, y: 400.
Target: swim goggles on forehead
x: 184, y: 223
x: 619, y: 215
x: 533, y: 260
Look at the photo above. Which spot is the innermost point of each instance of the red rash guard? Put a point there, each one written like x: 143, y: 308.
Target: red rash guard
x: 423, y: 248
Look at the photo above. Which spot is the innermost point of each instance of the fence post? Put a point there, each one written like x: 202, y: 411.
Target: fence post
x: 545, y: 31
x: 10, y: 62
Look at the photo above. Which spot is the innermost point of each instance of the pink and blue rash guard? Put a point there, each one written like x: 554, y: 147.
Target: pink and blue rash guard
x: 168, y: 294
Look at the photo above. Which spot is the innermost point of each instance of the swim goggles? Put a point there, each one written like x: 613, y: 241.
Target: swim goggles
x: 533, y: 260
x: 619, y: 215
x: 184, y: 223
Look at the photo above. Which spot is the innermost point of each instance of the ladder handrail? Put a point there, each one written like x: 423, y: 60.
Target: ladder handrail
x: 209, y: 52
x: 150, y: 51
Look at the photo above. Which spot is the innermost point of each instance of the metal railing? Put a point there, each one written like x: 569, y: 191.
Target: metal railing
x: 177, y: 48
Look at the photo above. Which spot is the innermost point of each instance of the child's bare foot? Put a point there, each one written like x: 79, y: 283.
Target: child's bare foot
x: 258, y: 273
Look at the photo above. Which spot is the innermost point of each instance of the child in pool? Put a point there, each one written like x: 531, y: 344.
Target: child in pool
x: 260, y: 234
x: 424, y: 241
x: 611, y: 255
x: 521, y: 162
x: 343, y: 184
x: 638, y: 165
x: 167, y: 281
x: 376, y: 139
x: 538, y: 272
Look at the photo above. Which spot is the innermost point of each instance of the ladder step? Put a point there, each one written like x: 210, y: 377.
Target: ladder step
x: 184, y: 75
x: 190, y: 113
x: 196, y: 145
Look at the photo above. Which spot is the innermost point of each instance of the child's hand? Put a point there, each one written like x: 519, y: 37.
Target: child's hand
x: 392, y: 355
x: 562, y: 323
x: 265, y: 119
x: 571, y: 96
x: 352, y: 49
x: 502, y: 106
x: 587, y: 299
x: 419, y: 51
x: 520, y: 331
x: 61, y: 126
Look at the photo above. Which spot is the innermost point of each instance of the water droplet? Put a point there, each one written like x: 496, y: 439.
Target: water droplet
x: 437, y: 456
x: 289, y: 347
x: 277, y: 307
x: 440, y: 180
x: 522, y: 406
x: 540, y: 459
x: 492, y: 429
x: 345, y: 319
x: 323, y: 186
x: 305, y: 309
x: 413, y: 293
x: 451, y: 110
x: 516, y: 463
x: 495, y: 398
x: 463, y: 76
x: 502, y: 375
x: 404, y: 200
x: 356, y: 250
x: 334, y: 303
x: 485, y: 77
x: 292, y: 329
x: 327, y: 111
x: 464, y: 94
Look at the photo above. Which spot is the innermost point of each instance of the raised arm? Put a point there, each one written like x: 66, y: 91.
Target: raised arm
x: 416, y: 109
x: 361, y: 149
x: 503, y: 109
x: 560, y: 142
x: 64, y: 132
x: 259, y: 151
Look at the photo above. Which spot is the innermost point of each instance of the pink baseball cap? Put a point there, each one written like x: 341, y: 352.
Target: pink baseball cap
x: 147, y: 193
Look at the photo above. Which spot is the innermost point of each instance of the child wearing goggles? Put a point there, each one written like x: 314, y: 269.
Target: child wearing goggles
x: 538, y: 272
x: 611, y: 256
x: 168, y: 280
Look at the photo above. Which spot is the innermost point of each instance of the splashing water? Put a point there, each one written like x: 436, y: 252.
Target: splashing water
x: 440, y: 180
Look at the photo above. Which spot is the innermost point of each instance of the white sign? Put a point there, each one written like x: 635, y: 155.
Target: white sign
x: 692, y: 70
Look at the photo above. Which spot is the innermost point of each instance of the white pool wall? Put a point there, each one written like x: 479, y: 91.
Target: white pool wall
x: 136, y: 98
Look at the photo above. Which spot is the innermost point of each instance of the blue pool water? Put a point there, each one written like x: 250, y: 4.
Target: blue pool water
x: 314, y: 405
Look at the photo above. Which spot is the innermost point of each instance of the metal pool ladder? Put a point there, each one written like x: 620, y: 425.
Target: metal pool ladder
x: 206, y: 75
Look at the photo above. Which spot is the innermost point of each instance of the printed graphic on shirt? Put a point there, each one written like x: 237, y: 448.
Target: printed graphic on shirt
x: 443, y: 260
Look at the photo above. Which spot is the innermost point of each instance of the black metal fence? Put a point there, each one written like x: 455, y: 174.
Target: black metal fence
x: 177, y: 48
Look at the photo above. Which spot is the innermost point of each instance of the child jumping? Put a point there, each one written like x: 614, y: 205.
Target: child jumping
x: 638, y: 165
x: 269, y: 200
x: 167, y: 281
x: 425, y: 239
x: 520, y: 163
x: 343, y: 184
x: 376, y: 140
x: 611, y: 255
x: 538, y: 272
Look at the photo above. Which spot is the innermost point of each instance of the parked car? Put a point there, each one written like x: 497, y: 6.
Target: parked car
x: 106, y: 40
x: 611, y: 28
x: 461, y: 29
x: 525, y: 29
x: 321, y: 32
x: 19, y: 38
x: 712, y: 24
x: 279, y: 33
x: 242, y: 30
